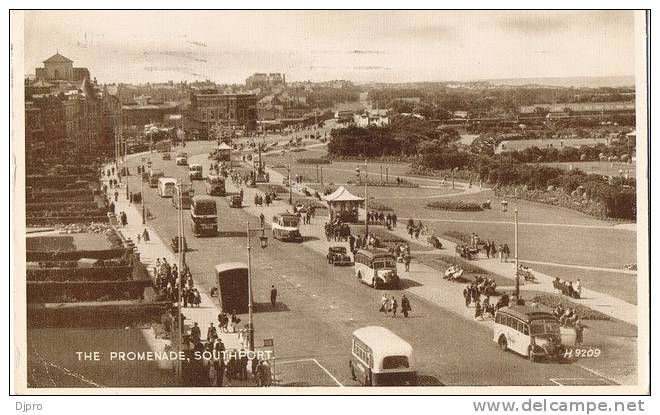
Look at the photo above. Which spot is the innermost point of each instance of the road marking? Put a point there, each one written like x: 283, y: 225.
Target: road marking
x: 558, y: 381
x: 284, y: 362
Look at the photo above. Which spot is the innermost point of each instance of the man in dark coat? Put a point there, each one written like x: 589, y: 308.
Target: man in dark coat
x: 405, y: 306
x: 273, y: 296
x: 195, y: 333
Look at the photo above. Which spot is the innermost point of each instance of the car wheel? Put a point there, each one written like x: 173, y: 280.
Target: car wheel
x: 502, y: 342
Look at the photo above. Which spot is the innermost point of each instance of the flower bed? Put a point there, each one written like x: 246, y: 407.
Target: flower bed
x: 76, y: 291
x: 313, y: 161
x: 454, y: 206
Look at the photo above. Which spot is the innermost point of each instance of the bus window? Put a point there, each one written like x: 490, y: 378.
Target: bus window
x: 395, y: 362
x: 525, y: 329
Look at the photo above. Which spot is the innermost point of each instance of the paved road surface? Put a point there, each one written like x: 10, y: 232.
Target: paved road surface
x: 321, y: 305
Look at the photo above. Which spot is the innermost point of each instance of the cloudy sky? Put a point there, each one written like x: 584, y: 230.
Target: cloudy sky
x: 226, y: 46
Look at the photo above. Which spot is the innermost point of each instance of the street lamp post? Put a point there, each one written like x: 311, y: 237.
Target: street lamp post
x: 515, y: 241
x: 126, y: 167
x: 264, y: 243
x: 288, y: 168
x: 144, y: 196
x: 366, y: 194
x: 180, y: 279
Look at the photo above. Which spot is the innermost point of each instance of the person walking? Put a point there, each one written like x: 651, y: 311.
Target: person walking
x: 405, y: 306
x: 384, y: 304
x: 394, y: 305
x: 145, y: 235
x: 507, y: 252
x: 273, y: 296
x: 211, y: 334
x: 406, y: 261
x: 116, y: 195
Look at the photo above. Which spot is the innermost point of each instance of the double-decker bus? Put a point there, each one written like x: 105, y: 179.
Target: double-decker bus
x: 285, y: 227
x: 215, y: 185
x: 203, y: 216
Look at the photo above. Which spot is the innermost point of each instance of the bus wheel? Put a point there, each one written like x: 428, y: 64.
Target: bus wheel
x: 502, y: 342
x: 350, y: 364
x: 531, y: 355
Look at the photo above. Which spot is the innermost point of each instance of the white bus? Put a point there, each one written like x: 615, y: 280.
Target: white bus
x: 166, y: 186
x: 285, y: 227
x: 376, y: 268
x: 529, y: 331
x: 381, y: 358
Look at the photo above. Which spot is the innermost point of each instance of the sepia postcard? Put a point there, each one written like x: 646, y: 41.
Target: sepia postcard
x: 330, y: 202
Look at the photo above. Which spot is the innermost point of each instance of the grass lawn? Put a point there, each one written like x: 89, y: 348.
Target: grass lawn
x: 619, y: 285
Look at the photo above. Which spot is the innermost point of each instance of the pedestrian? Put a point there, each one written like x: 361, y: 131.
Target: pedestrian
x: 124, y: 219
x: 500, y: 251
x: 351, y: 243
x: 394, y: 220
x: 262, y: 219
x: 406, y: 261
x: 139, y: 237
x: 195, y: 333
x: 211, y: 334
x: 394, y: 305
x: 145, y: 235
x: 383, y: 304
x: 507, y: 252
x: 405, y: 306
x: 467, y: 295
x: 273, y: 296
x: 477, y: 310
x: 116, y: 195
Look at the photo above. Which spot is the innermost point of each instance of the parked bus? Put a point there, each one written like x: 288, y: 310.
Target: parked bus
x: 187, y: 193
x: 232, y: 280
x: 195, y: 172
x: 530, y: 331
x: 285, y: 227
x: 381, y: 358
x: 376, y: 268
x: 215, y: 185
x: 166, y: 186
x: 203, y: 216
x: 154, y: 175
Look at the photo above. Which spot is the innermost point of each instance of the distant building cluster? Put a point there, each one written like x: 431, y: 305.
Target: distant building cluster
x: 586, y: 107
x: 265, y: 81
x: 211, y: 107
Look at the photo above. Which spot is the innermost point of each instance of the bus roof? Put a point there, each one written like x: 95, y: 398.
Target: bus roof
x: 383, y: 341
x: 203, y: 199
x: 167, y: 180
x: 287, y: 215
x: 527, y: 313
x: 373, y: 252
x: 194, y: 166
x: 228, y: 266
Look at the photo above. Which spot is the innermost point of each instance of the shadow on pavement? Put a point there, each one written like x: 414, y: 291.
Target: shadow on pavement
x: 405, y: 283
x: 268, y: 308
x: 425, y: 380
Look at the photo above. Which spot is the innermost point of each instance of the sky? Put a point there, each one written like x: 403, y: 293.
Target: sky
x: 361, y: 46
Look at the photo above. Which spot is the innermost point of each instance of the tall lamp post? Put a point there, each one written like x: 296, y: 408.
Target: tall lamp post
x: 366, y: 194
x: 505, y: 205
x: 126, y: 167
x: 144, y: 198
x: 263, y: 240
x: 180, y: 260
x: 288, y: 169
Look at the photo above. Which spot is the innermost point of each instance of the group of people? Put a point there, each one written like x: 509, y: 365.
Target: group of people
x: 453, y: 273
x: 337, y: 231
x: 389, y: 306
x: 379, y: 218
x: 167, y: 283
x: 568, y: 288
x: 567, y: 317
x: 415, y: 229
x: 400, y: 250
x: 261, y: 200
x: 483, y: 309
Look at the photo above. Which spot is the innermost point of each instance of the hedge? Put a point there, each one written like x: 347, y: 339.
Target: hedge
x: 120, y: 273
x: 454, y: 206
x: 34, y: 256
x: 97, y: 315
x: 64, y: 220
x: 77, y: 291
x: 313, y: 161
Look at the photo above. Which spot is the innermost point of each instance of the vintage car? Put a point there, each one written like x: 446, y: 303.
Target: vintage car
x: 182, y: 159
x: 174, y: 243
x: 337, y: 256
x: 167, y: 156
x: 235, y: 201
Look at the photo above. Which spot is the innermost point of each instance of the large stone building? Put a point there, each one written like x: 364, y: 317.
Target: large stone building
x: 238, y: 110
x: 68, y: 113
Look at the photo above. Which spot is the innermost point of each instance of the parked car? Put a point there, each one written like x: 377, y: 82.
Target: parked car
x: 337, y: 255
x: 235, y: 201
x: 167, y: 156
x: 174, y: 243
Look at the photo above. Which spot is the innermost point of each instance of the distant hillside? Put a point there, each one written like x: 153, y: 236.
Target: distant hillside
x: 573, y: 81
